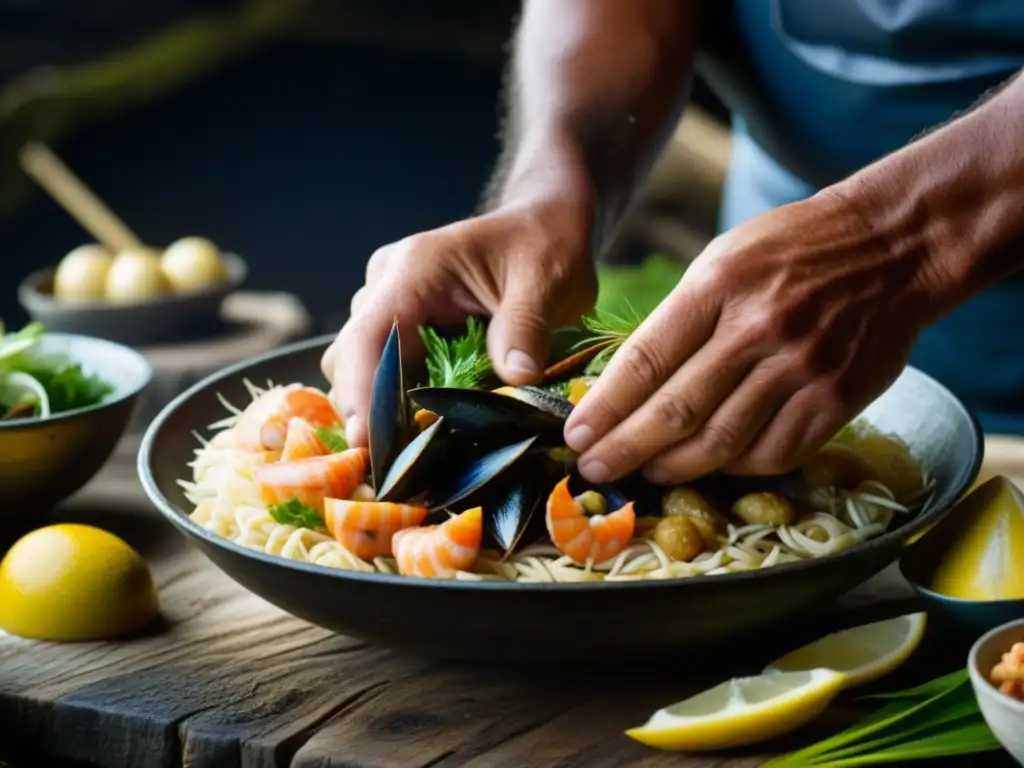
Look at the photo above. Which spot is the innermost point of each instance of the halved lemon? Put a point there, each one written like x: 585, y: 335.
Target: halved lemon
x: 741, y: 711
x: 862, y: 654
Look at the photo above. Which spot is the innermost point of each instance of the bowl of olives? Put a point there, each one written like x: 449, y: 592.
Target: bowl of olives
x: 140, y: 296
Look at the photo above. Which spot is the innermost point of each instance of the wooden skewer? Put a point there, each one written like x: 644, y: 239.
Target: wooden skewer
x: 77, y: 199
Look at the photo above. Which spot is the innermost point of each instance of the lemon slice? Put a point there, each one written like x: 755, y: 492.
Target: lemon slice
x: 863, y: 653
x: 741, y: 711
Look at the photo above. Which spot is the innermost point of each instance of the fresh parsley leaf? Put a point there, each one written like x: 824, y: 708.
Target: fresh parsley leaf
x: 333, y: 439
x: 46, y: 382
x: 296, y: 513
x: 461, y: 363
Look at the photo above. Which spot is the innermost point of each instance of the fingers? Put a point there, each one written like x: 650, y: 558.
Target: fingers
x: 359, y: 346
x: 672, y: 414
x: 806, y: 421
x: 359, y: 301
x: 672, y: 334
x: 728, y: 432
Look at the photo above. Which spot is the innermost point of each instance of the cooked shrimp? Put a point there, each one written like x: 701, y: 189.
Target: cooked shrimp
x: 365, y: 528
x: 439, y: 551
x: 301, y: 442
x: 264, y: 424
x: 314, y: 479
x: 584, y: 539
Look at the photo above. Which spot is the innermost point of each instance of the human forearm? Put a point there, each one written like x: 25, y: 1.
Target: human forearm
x: 953, y: 201
x: 597, y: 86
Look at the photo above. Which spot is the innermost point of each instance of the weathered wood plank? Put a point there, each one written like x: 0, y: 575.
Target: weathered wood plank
x: 232, y: 681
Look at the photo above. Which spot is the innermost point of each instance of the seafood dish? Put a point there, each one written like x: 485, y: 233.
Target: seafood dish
x: 467, y: 479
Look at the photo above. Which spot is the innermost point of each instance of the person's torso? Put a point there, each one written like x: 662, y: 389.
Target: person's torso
x: 820, y: 89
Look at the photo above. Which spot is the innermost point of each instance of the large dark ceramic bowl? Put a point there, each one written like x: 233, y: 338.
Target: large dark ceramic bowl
x: 160, y: 320
x: 44, y: 461
x: 550, y: 623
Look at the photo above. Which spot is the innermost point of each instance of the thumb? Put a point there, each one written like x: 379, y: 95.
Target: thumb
x: 519, y: 333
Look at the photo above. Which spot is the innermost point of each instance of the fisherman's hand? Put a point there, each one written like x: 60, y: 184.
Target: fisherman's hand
x: 526, y: 265
x: 780, y: 332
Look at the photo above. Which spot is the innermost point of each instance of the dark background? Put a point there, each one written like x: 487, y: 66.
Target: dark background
x: 303, y: 156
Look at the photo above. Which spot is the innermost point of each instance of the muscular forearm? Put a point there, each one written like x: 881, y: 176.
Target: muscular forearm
x: 597, y: 86
x: 953, y: 201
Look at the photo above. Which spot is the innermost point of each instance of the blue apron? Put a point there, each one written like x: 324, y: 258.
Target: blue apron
x: 841, y: 83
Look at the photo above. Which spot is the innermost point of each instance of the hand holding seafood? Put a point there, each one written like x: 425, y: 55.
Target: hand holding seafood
x: 465, y: 478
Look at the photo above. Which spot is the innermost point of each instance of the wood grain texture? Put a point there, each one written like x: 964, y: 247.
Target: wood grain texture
x: 229, y: 680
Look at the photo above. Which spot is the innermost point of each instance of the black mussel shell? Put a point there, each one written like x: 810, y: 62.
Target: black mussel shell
x: 411, y: 471
x: 514, y: 511
x: 472, y: 477
x: 388, y: 427
x: 528, y: 411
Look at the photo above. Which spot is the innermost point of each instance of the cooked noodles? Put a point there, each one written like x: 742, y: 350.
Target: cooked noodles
x: 227, y: 503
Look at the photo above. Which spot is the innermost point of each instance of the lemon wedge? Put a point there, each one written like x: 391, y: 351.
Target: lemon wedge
x: 72, y: 583
x: 862, y: 654
x: 741, y: 711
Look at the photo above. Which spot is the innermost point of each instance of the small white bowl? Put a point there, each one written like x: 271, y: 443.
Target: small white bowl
x: 1004, y: 715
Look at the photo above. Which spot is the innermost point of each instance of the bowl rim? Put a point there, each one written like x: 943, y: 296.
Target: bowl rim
x: 183, y: 522
x: 980, y: 682
x: 130, y: 393
x: 910, y: 560
x: 28, y: 291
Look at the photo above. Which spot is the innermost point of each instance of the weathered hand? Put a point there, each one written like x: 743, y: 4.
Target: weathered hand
x: 781, y: 331
x: 526, y: 266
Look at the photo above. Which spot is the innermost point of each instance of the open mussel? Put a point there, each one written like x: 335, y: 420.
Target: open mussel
x: 452, y: 487
x: 500, y: 449
x: 411, y: 470
x: 516, y: 513
x: 515, y: 411
x: 388, y: 429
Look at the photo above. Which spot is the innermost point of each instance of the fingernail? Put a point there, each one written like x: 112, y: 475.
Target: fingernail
x: 517, y: 360
x: 595, y: 471
x: 580, y: 438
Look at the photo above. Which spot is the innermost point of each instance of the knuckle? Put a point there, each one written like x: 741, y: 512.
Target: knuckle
x: 644, y: 362
x: 808, y: 364
x: 720, y: 440
x: 625, y: 453
x: 675, y: 413
x: 525, y: 316
x: 378, y: 261
x: 359, y: 299
x: 831, y: 395
x: 763, y: 328
x: 327, y: 362
x: 607, y: 411
x: 410, y: 249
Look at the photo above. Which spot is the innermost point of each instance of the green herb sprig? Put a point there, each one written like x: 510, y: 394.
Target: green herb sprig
x: 938, y: 719
x: 333, y: 439
x: 294, y: 512
x: 610, y: 331
x: 38, y: 383
x: 461, y: 362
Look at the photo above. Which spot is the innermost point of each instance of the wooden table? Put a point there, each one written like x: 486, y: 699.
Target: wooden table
x: 232, y: 681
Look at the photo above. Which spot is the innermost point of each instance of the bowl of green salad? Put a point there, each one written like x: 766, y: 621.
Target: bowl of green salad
x: 65, y: 402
